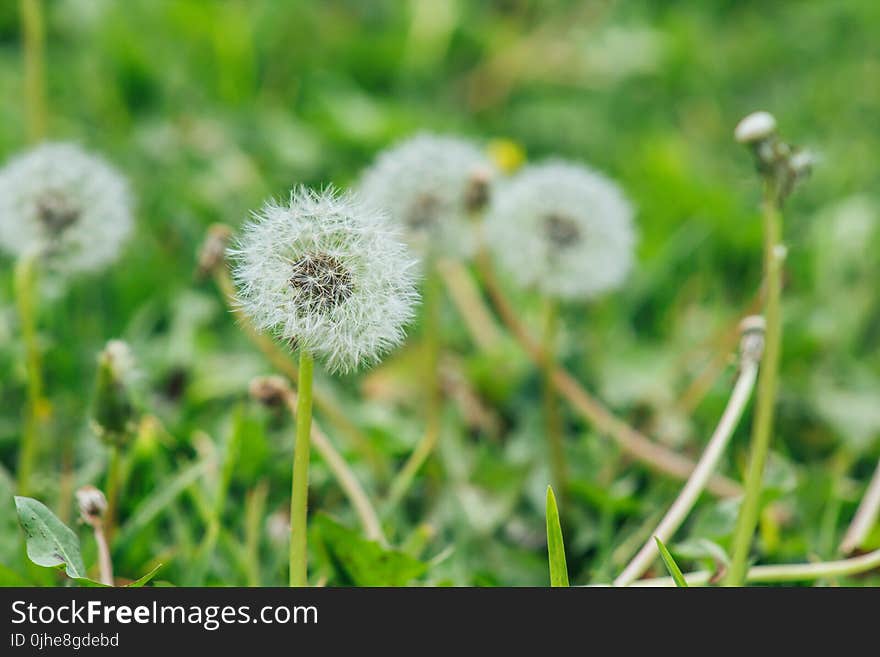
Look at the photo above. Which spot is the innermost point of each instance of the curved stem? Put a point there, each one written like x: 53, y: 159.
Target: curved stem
x: 470, y: 304
x: 698, y: 479
x: 299, y: 497
x: 552, y: 418
x: 865, y: 517
x: 635, y: 443
x: 281, y: 362
x: 34, y: 37
x: 762, y: 429
x: 796, y: 572
x: 425, y: 447
x: 105, y: 564
x: 26, y: 301
x: 347, y: 481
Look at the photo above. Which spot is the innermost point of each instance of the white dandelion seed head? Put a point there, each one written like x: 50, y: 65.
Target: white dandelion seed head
x: 562, y: 229
x: 66, y: 205
x: 431, y: 185
x: 326, y: 273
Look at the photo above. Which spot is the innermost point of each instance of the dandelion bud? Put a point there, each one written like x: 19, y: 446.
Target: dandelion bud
x: 67, y: 205
x: 269, y: 390
x: 562, y: 229
x: 327, y: 273
x: 476, y: 195
x: 754, y: 128
x: 213, y: 251
x: 752, y: 342
x: 431, y: 186
x: 801, y: 163
x: 114, y: 416
x: 92, y: 504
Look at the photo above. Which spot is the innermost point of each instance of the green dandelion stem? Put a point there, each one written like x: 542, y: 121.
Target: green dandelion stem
x: 300, y: 485
x: 762, y: 428
x: 26, y: 301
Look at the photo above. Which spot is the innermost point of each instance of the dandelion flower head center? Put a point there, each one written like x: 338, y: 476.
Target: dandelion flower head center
x: 561, y: 231
x: 423, y: 212
x: 320, y: 281
x: 56, y: 212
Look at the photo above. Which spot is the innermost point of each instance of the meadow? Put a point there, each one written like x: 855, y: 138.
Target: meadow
x: 431, y: 467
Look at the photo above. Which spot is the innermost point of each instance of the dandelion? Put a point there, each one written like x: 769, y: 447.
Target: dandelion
x: 326, y: 274
x: 114, y: 413
x: 63, y: 209
x: 65, y: 205
x: 431, y: 185
x: 562, y: 229
x: 93, y: 510
x: 567, y: 232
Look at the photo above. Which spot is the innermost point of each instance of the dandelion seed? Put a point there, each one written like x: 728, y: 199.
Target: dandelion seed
x: 326, y: 273
x: 431, y: 185
x: 562, y: 229
x: 66, y: 205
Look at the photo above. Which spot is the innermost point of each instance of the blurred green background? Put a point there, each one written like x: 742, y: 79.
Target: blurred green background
x: 210, y: 107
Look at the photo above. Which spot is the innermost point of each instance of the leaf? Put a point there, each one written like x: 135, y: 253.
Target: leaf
x: 142, y: 581
x: 50, y: 542
x: 357, y: 561
x: 555, y: 545
x: 670, y: 564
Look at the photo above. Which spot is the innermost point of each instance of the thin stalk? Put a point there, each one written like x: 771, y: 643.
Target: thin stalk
x: 65, y: 483
x: 105, y: 564
x: 762, y: 429
x: 604, y: 421
x: 281, y: 362
x: 796, y: 572
x: 470, y: 305
x: 114, y: 467
x: 688, y: 496
x: 865, y: 517
x: 26, y: 301
x: 552, y: 418
x: 34, y: 44
x: 255, y: 507
x: 430, y: 378
x: 347, y: 481
x: 299, y: 497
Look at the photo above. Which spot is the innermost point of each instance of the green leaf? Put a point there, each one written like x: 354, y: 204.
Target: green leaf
x: 670, y: 564
x: 555, y: 545
x: 357, y: 561
x: 50, y: 542
x: 136, y: 584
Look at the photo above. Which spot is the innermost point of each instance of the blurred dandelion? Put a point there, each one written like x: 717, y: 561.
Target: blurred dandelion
x: 563, y: 230
x: 326, y: 274
x: 431, y: 185
x: 62, y: 209
x: 65, y: 205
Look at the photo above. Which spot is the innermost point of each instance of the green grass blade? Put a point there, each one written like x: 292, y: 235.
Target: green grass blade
x: 670, y: 564
x: 555, y: 545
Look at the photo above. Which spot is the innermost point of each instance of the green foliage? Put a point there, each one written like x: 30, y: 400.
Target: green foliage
x: 50, y: 542
x: 555, y: 545
x: 670, y: 564
x: 351, y: 560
